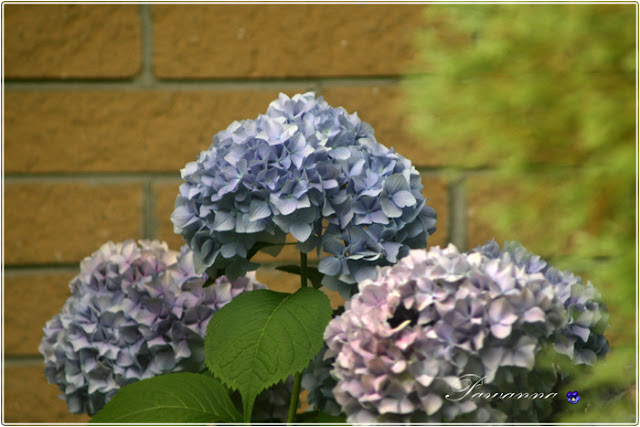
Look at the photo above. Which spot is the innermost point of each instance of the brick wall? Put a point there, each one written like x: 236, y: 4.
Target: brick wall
x: 105, y: 103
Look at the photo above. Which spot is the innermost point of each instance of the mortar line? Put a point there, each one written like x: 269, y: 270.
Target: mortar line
x: 23, y: 360
x: 147, y: 79
x: 447, y: 169
x: 44, y: 268
x: 431, y: 171
x: 98, y: 177
x: 171, y: 176
x: 458, y: 213
x: 149, y: 226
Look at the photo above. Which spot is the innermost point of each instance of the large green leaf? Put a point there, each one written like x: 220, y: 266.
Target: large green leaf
x: 173, y: 398
x: 263, y: 336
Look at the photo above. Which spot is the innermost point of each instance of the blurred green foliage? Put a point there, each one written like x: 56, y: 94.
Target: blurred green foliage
x: 543, y: 97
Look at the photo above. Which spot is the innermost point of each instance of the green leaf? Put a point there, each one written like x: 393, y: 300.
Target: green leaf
x: 317, y: 417
x: 213, y: 274
x: 210, y: 281
x: 267, y: 243
x: 312, y: 273
x: 263, y: 336
x: 172, y: 398
x: 263, y: 246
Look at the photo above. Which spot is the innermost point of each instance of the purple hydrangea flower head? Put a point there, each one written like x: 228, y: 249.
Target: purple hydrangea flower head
x: 419, y: 329
x: 135, y: 311
x: 310, y: 170
x: 582, y: 338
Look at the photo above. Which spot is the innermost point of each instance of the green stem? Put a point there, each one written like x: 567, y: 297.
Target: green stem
x: 247, y: 414
x: 295, y: 394
x: 293, y: 404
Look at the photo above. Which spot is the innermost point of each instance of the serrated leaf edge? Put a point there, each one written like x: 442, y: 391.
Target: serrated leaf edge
x: 269, y: 384
x: 217, y: 418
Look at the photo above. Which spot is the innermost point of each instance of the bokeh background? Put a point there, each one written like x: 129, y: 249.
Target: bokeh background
x: 104, y: 104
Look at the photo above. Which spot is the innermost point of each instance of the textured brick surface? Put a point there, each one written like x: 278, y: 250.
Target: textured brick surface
x: 479, y: 190
x: 28, y: 398
x: 485, y: 193
x: 71, y: 41
x: 437, y: 191
x: 227, y: 41
x: 120, y: 131
x: 65, y: 222
x: 285, y: 282
x: 381, y: 107
x: 64, y: 129
x: 30, y: 300
x: 164, y: 199
x: 288, y: 255
x: 163, y: 130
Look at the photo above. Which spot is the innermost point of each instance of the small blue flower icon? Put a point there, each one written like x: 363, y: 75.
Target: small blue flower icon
x: 572, y: 397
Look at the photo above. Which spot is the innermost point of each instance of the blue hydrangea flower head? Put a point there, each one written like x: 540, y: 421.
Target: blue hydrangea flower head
x: 310, y: 170
x: 316, y: 379
x: 417, y: 329
x: 135, y: 311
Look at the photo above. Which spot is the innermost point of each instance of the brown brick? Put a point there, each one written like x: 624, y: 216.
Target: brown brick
x: 65, y: 222
x: 165, y: 197
x: 71, y: 41
x: 40, y: 295
x: 28, y: 398
x: 120, y: 131
x: 382, y: 108
x: 284, y: 282
x: 490, y: 197
x: 234, y: 41
x: 288, y: 255
x: 436, y: 190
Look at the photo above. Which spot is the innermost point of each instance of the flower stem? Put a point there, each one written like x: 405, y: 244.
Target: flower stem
x: 293, y: 404
x: 297, y: 379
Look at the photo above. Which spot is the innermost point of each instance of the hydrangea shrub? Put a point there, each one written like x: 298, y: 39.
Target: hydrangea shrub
x: 135, y: 311
x: 310, y: 170
x: 412, y: 334
x: 418, y: 327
